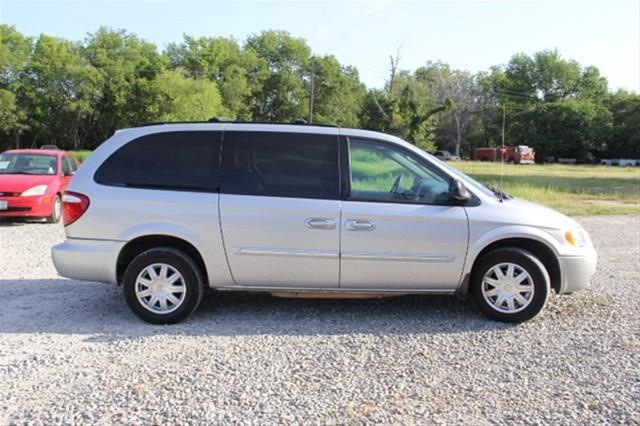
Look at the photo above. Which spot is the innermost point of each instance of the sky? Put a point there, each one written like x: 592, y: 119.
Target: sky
x: 468, y: 35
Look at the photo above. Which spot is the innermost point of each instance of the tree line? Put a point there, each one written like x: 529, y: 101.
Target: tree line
x: 76, y: 94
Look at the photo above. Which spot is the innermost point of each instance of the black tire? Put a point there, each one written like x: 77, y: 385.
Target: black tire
x: 191, y: 277
x: 56, y: 210
x: 524, y: 260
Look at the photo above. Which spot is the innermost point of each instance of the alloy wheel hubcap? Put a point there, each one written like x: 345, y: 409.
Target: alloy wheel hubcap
x: 160, y: 288
x: 507, y: 288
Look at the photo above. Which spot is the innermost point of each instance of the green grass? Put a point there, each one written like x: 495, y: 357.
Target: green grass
x: 372, y: 172
x: 570, y: 189
x: 82, y: 154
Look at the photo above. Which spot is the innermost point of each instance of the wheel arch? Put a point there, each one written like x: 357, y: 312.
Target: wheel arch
x: 140, y: 244
x: 539, y: 249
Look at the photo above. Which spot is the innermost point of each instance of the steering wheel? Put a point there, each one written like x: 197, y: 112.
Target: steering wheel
x: 396, y: 185
x: 424, y: 193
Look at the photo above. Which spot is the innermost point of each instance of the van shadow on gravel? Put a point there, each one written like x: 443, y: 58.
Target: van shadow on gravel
x: 99, y: 310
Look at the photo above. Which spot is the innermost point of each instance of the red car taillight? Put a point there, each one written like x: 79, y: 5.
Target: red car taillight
x: 74, y: 205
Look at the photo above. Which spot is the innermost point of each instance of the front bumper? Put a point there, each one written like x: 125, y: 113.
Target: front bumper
x: 39, y: 206
x: 576, y: 271
x: 88, y: 260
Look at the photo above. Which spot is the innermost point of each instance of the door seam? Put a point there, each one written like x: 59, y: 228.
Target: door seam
x: 466, y: 252
x: 340, y: 244
x: 220, y: 195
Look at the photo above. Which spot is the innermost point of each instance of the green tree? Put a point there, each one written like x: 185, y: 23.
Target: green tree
x: 625, y: 139
x: 593, y: 85
x: 11, y: 117
x: 373, y: 115
x: 126, y: 67
x: 58, y: 90
x: 573, y: 128
x: 406, y: 108
x: 545, y: 76
x: 181, y: 99
x: 338, y: 94
x: 544, y: 96
x: 223, y: 61
x: 283, y: 67
x: 458, y: 91
x: 15, y: 53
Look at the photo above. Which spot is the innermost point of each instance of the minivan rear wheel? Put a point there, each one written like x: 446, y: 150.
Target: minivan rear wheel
x: 510, y: 284
x: 163, y: 285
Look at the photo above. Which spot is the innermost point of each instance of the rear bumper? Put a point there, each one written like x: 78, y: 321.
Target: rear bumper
x: 576, y: 272
x: 88, y: 260
x: 40, y: 206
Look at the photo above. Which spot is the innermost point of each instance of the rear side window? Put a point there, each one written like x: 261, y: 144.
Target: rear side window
x: 175, y: 161
x: 72, y: 163
x: 66, y: 165
x: 296, y: 165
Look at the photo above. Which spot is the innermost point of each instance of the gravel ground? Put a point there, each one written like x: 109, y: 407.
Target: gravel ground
x: 70, y: 352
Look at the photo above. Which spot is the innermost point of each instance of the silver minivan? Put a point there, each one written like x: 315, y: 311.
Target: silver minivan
x: 169, y: 210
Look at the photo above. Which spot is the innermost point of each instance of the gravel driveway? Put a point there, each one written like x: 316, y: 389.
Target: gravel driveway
x: 70, y: 352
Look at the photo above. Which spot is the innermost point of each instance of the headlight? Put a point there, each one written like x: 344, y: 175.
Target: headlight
x: 36, y: 190
x: 576, y: 237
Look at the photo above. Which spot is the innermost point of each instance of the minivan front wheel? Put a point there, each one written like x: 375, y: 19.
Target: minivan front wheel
x: 163, y: 285
x: 510, y: 284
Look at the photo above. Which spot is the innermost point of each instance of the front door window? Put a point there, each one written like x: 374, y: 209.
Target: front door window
x: 385, y: 173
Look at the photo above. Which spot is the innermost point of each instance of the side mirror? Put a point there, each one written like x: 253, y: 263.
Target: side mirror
x: 458, y: 192
x: 69, y: 173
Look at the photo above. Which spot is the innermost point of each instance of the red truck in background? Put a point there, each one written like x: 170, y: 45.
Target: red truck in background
x: 521, y: 154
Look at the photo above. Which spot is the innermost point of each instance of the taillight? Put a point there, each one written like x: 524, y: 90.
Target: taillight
x: 73, y: 206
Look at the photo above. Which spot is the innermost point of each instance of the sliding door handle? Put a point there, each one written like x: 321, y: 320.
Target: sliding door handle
x: 320, y: 223
x: 359, y: 225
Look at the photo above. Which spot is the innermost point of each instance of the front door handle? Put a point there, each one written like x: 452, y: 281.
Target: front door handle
x: 320, y: 223
x: 359, y: 225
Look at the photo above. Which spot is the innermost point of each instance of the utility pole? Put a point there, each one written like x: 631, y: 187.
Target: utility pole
x: 502, y: 148
x: 504, y: 117
x: 311, y: 89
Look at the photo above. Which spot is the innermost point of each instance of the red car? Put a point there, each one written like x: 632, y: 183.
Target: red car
x: 32, y: 182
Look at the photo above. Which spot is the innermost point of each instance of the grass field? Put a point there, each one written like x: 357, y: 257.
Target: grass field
x: 574, y: 190
x: 82, y: 154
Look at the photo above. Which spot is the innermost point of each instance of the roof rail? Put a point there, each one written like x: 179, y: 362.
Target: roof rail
x: 157, y: 123
x: 297, y: 122
x: 221, y: 120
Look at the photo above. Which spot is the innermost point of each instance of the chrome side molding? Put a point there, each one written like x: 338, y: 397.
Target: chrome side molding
x: 269, y: 251
x: 409, y: 257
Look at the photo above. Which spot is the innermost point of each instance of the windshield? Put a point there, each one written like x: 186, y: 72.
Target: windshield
x: 466, y: 179
x: 28, y: 164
